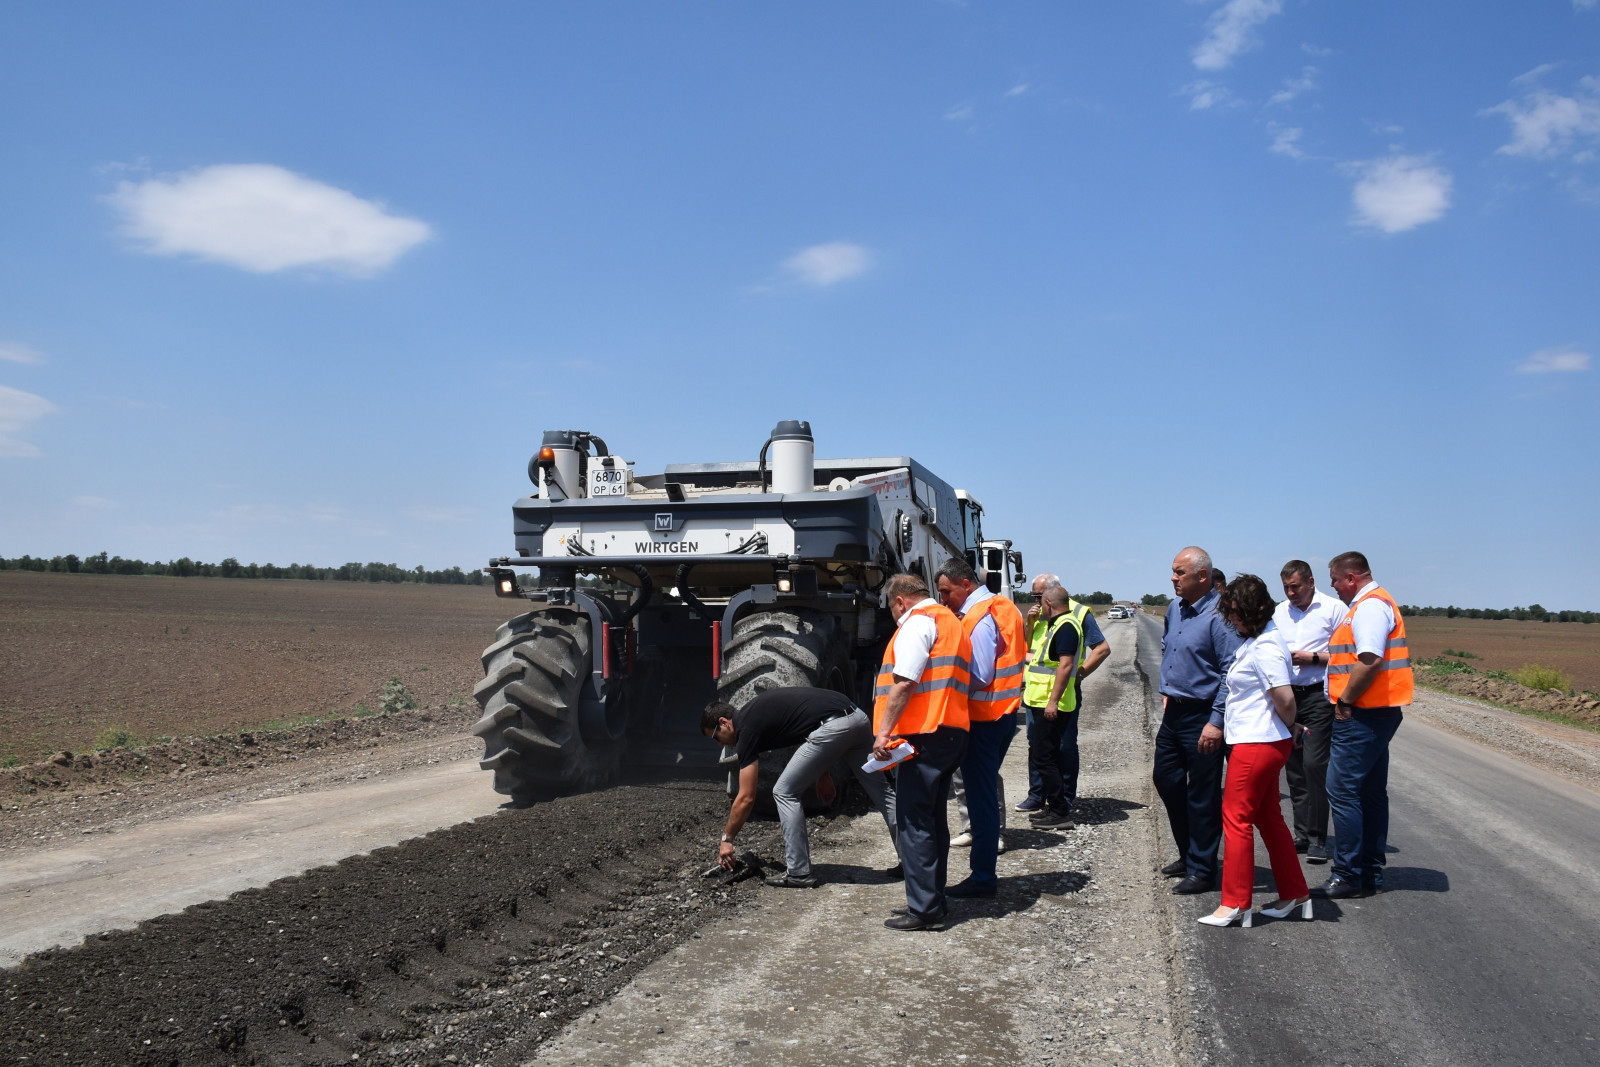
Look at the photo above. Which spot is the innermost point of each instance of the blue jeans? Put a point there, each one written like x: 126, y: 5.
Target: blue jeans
x: 987, y: 743
x: 922, y: 790
x: 1358, y: 792
x: 1053, y: 759
x: 1190, y: 784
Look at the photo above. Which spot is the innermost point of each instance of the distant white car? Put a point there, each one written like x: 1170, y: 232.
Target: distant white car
x: 1118, y: 613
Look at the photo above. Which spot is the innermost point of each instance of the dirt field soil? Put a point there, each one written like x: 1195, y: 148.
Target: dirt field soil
x: 82, y: 653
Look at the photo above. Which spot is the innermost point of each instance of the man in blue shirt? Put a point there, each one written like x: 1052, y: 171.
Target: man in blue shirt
x: 1197, y: 649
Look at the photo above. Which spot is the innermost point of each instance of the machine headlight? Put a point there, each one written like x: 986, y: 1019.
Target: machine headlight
x: 785, y: 585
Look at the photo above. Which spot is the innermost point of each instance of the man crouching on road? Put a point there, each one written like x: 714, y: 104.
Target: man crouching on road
x: 828, y: 727
x: 921, y: 697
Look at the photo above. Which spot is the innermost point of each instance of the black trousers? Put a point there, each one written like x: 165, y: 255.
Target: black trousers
x: 1307, y: 769
x: 1053, y: 758
x: 1190, y: 784
x: 922, y: 792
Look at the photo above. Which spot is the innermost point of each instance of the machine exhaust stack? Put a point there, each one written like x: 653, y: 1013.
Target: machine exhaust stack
x: 561, y: 475
x: 793, y: 457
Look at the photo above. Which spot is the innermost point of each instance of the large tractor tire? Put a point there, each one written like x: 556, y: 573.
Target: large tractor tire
x: 770, y: 649
x: 531, y: 694
x: 774, y: 649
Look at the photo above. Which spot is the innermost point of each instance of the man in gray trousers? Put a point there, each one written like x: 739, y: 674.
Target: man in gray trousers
x: 828, y: 727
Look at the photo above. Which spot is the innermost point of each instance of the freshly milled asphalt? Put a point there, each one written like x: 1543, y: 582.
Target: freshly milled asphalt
x: 1485, y: 949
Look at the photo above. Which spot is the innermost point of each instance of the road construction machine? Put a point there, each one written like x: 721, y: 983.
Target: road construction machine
x: 651, y: 595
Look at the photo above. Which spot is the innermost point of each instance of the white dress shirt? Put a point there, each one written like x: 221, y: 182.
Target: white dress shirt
x: 913, y: 642
x: 1261, y: 663
x: 985, y: 640
x: 1310, y: 631
x: 1372, y: 623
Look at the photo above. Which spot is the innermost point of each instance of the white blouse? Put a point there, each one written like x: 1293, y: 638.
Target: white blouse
x: 1260, y: 664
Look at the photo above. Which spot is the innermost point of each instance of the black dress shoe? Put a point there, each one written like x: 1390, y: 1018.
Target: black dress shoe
x: 914, y: 922
x: 1301, y: 844
x: 1192, y: 884
x: 967, y: 890
x: 1176, y: 869
x: 1337, y: 888
x: 1317, y: 853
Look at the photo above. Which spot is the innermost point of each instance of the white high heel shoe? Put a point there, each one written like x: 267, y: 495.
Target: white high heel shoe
x: 1235, y: 915
x: 1303, y: 906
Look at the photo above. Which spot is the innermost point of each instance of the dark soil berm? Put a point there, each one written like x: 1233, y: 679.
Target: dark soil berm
x: 470, y: 945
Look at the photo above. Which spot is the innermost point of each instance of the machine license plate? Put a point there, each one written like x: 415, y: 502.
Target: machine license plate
x: 608, y: 481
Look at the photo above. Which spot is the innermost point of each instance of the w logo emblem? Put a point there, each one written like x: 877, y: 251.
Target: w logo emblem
x: 663, y: 522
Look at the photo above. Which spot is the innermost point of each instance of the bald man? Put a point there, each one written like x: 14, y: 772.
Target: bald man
x: 1197, y: 649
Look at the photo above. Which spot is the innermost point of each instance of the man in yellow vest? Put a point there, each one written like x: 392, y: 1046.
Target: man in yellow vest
x: 1050, y: 690
x: 1369, y: 682
x: 1093, y: 650
x: 921, y: 698
x: 999, y: 640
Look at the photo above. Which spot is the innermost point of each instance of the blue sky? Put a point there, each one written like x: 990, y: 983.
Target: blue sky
x: 1279, y: 277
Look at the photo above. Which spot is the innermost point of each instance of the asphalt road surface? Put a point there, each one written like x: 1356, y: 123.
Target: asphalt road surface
x: 1485, y: 948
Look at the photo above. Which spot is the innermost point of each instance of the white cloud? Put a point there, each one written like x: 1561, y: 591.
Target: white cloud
x: 1293, y: 87
x: 263, y: 218
x: 17, y: 409
x: 1019, y: 89
x: 14, y: 352
x: 1231, y: 31
x: 1286, y: 142
x: 1545, y: 125
x: 1583, y: 5
x: 1204, y: 95
x: 1401, y: 192
x: 959, y: 113
x: 1554, y: 361
x: 825, y: 264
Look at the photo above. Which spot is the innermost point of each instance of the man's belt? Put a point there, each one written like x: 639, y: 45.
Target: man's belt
x: 1314, y: 687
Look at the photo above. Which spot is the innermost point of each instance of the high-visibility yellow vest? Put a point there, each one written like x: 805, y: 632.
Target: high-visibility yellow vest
x: 1041, y: 674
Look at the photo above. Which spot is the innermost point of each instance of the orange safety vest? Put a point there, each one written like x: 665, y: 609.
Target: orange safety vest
x: 1003, y: 695
x: 1392, y: 686
x: 940, y: 696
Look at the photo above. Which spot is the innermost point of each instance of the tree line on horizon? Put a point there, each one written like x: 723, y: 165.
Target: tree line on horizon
x: 1531, y: 613
x: 184, y: 567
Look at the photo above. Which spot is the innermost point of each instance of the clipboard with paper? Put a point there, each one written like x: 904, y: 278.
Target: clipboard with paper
x: 900, y: 750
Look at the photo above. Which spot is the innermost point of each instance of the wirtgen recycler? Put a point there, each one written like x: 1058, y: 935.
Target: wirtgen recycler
x: 655, y: 594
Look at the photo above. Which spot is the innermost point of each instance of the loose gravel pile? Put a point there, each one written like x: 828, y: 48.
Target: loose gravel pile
x: 469, y: 945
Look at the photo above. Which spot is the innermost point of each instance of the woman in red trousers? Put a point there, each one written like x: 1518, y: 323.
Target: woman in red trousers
x: 1258, y: 722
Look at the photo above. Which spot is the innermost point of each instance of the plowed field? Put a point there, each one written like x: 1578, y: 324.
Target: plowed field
x: 1506, y: 644
x: 82, y: 653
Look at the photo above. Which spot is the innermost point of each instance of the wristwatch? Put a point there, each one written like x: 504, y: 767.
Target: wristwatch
x: 1316, y: 659
x: 726, y: 840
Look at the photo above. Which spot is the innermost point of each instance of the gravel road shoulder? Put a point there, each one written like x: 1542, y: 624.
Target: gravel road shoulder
x: 1072, y: 962
x: 1565, y: 751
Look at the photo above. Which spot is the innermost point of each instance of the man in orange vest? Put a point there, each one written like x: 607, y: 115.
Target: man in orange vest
x: 921, y: 698
x: 999, y: 640
x: 1369, y: 681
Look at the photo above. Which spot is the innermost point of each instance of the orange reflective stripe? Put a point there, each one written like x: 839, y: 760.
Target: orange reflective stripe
x: 1393, y: 685
x: 939, y: 697
x: 1003, y: 695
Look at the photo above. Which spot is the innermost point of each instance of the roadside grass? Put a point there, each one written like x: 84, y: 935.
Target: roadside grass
x: 115, y: 737
x: 1460, y: 654
x: 1536, y: 676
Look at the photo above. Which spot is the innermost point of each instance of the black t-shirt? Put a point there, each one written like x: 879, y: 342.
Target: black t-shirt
x: 779, y: 718
x: 1064, y: 646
